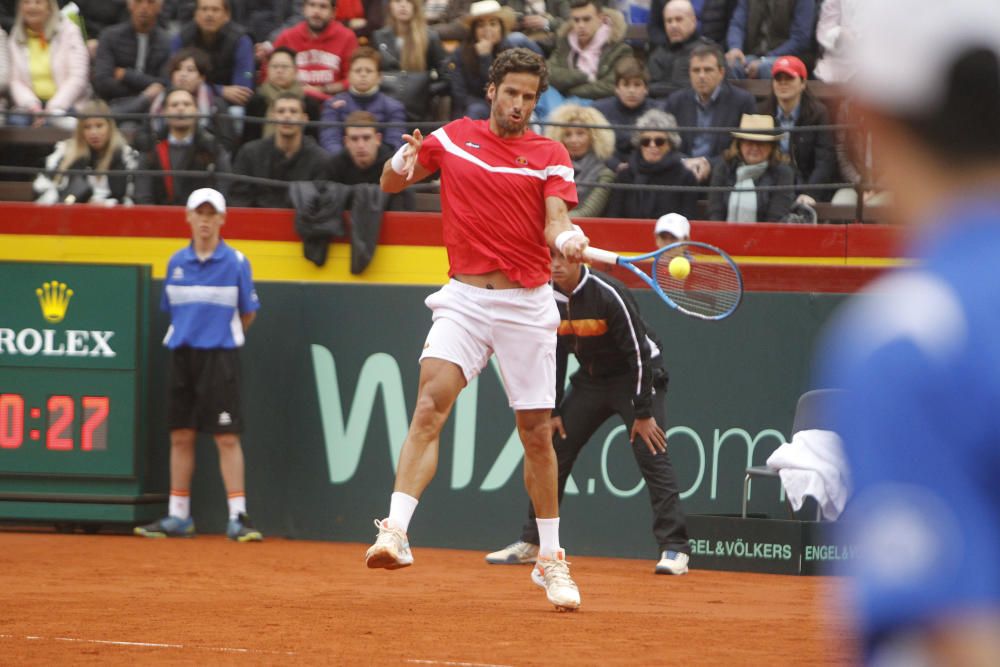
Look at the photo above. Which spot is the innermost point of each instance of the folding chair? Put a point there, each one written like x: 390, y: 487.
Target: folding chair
x: 811, y: 412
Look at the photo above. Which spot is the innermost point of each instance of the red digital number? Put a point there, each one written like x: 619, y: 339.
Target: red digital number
x: 59, y: 436
x: 95, y: 416
x: 11, y: 421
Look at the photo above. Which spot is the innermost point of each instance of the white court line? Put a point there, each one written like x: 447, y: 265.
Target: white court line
x: 108, y: 642
x: 455, y: 664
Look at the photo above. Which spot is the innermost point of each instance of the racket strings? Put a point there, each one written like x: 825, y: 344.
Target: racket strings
x: 712, y: 287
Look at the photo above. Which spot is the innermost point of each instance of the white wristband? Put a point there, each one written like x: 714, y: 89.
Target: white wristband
x: 398, y: 162
x: 565, y: 236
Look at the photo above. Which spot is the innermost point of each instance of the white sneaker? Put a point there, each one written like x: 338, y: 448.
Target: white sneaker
x: 552, y: 574
x: 519, y: 553
x: 391, y: 549
x: 673, y: 562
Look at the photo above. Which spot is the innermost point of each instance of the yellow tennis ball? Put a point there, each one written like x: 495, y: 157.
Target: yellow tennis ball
x: 679, y: 268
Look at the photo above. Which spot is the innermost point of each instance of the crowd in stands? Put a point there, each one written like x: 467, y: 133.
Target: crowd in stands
x: 292, y: 90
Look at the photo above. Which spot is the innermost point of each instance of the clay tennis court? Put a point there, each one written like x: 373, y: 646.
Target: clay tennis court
x: 110, y: 599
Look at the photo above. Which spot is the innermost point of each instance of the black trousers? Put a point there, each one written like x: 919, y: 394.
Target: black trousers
x: 587, y: 405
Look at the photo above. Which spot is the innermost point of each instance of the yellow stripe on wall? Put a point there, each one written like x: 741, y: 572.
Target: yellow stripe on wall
x: 271, y: 260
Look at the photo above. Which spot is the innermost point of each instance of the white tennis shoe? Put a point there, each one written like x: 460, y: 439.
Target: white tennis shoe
x: 519, y: 553
x: 391, y: 550
x: 673, y: 562
x: 552, y: 574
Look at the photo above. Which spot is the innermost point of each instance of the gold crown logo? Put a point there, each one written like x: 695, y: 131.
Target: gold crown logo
x: 54, y: 298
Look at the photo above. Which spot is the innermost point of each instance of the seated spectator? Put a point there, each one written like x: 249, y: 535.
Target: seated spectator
x: 713, y: 20
x: 711, y: 102
x: 323, y: 46
x: 282, y: 77
x: 412, y: 56
x: 187, y: 69
x: 656, y: 162
x: 760, y: 32
x: 669, y: 64
x: 363, y: 95
x: 540, y: 20
x: 835, y: 33
x: 229, y: 49
x: 131, y: 56
x: 287, y: 155
x: 793, y: 105
x: 469, y: 65
x: 582, y: 66
x: 96, y: 145
x: 630, y: 102
x: 185, y: 147
x: 48, y: 62
x: 754, y: 159
x: 588, y: 148
x: 363, y: 157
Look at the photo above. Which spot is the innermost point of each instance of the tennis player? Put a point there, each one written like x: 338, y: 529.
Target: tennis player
x: 919, y: 355
x: 505, y: 194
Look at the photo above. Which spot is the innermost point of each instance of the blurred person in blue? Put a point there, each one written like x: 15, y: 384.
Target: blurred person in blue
x: 919, y: 355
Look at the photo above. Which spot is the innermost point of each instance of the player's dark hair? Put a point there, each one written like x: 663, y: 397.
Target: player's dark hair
x: 708, y: 49
x: 202, y: 62
x: 287, y: 50
x: 225, y: 5
x: 519, y: 61
x: 630, y: 68
x: 289, y: 95
x: 577, y: 4
x: 963, y: 129
x: 369, y: 53
x: 361, y: 119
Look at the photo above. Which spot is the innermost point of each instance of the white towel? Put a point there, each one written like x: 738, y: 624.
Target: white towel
x: 813, y: 464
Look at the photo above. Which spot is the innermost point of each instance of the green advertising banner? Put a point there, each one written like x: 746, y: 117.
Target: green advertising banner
x: 330, y: 376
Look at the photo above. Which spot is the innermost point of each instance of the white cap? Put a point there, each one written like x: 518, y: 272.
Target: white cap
x: 905, y: 49
x: 207, y: 196
x: 675, y: 224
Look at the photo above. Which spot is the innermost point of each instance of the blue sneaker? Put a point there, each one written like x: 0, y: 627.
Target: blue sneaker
x: 241, y: 529
x: 170, y: 526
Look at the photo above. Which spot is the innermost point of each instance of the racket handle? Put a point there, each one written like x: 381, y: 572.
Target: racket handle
x: 597, y: 255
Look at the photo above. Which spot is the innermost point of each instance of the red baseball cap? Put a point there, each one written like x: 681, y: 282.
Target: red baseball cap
x: 790, y: 65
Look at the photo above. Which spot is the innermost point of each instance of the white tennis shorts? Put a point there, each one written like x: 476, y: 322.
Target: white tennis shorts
x: 518, y: 325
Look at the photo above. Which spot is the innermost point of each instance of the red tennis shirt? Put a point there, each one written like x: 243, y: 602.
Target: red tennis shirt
x: 493, y: 194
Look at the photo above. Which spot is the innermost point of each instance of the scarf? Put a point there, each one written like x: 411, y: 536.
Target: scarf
x: 587, y: 169
x: 743, y: 205
x: 646, y: 203
x: 588, y: 58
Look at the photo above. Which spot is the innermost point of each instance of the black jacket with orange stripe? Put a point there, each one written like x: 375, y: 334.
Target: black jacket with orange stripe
x: 601, y: 325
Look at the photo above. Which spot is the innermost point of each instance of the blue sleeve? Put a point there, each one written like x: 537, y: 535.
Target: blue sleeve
x: 243, y: 67
x: 801, y: 32
x: 248, y: 301
x: 920, y: 436
x: 736, y: 34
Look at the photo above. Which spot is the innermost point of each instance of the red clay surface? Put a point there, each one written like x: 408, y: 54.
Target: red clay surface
x: 109, y: 600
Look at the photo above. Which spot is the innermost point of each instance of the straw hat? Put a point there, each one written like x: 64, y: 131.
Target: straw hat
x: 758, y: 127
x: 488, y: 8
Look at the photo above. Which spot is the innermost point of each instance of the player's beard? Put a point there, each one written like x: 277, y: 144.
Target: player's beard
x: 508, y: 126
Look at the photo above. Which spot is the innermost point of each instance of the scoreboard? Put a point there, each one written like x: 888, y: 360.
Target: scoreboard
x: 73, y: 359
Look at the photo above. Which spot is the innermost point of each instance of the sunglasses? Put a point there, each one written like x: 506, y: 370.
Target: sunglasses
x: 646, y: 141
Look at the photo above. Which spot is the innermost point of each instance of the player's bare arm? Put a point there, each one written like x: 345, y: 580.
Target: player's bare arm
x: 404, y: 168
x: 556, y: 222
x: 247, y: 319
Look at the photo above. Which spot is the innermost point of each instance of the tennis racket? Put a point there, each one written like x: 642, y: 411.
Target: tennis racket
x: 705, y: 282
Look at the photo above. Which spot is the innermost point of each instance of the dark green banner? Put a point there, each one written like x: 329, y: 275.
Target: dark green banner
x: 330, y: 377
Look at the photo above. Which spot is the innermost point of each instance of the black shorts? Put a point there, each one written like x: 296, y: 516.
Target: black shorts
x: 204, y: 390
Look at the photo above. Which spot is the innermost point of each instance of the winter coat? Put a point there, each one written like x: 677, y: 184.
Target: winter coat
x: 384, y: 108
x: 570, y: 81
x: 231, y: 54
x: 813, y: 156
x: 70, y: 67
x: 263, y: 159
x: 118, y: 47
x: 50, y: 187
x: 651, y: 204
x: 772, y: 206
